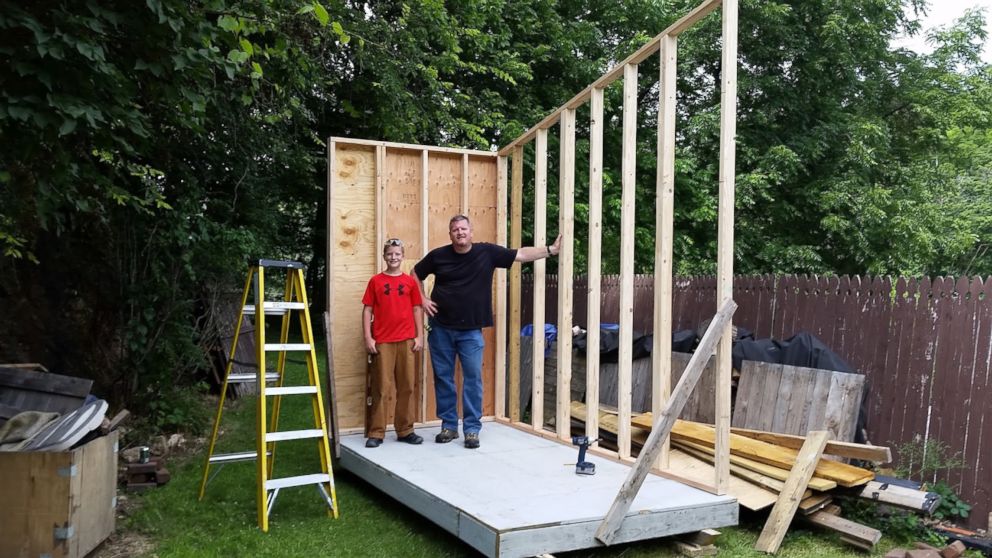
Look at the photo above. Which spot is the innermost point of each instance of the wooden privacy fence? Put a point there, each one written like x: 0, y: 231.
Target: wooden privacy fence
x: 924, y: 345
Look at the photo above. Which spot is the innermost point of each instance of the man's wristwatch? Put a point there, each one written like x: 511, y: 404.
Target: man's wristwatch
x: 548, y: 249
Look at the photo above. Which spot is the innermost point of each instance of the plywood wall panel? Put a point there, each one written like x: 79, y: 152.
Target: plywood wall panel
x: 355, y: 251
x: 354, y: 256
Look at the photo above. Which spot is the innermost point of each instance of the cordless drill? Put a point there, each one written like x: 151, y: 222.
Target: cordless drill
x: 583, y: 467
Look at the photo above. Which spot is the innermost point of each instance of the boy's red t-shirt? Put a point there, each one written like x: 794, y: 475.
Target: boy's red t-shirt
x: 392, y: 298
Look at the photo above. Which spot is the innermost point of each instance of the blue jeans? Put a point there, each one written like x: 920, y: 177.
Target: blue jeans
x: 467, y: 345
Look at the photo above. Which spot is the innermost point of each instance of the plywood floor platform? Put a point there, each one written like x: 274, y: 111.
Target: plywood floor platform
x: 518, y: 495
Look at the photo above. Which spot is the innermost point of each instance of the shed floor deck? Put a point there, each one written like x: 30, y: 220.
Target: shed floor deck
x: 518, y: 495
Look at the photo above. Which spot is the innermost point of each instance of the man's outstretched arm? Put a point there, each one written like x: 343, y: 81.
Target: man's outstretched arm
x: 530, y: 253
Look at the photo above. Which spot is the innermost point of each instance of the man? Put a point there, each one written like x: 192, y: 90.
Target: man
x: 459, y: 307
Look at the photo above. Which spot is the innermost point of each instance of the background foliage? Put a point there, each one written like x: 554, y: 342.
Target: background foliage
x: 149, y: 149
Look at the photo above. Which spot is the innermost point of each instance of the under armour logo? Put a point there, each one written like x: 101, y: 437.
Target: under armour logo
x: 389, y: 288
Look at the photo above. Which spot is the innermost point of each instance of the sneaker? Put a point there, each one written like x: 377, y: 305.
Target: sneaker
x: 373, y: 442
x: 445, y: 436
x: 472, y: 440
x: 411, y: 438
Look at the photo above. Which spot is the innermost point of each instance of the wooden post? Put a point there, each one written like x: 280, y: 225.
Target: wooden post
x: 380, y: 204
x: 664, y: 230
x: 788, y: 499
x: 627, y: 219
x: 594, y: 257
x: 501, y: 290
x: 464, y: 205
x: 566, y: 226
x: 725, y: 239
x: 540, y: 239
x: 329, y: 294
x: 649, y: 453
x: 516, y: 212
x: 424, y: 248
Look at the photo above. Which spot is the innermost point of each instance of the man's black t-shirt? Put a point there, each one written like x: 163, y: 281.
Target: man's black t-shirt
x: 463, y: 283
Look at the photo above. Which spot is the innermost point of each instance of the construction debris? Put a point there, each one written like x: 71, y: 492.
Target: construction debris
x: 768, y: 471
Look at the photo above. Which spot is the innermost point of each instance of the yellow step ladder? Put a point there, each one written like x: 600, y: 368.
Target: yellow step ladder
x: 294, y: 301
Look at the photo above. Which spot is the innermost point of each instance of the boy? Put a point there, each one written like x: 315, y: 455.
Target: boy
x: 393, y: 326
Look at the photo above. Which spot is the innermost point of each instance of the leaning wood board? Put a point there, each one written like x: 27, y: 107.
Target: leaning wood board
x: 795, y: 400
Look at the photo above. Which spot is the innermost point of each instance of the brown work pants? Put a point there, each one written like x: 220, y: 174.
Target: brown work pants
x: 393, y: 371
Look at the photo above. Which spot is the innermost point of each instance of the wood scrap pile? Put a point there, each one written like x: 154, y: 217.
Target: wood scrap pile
x: 787, y: 474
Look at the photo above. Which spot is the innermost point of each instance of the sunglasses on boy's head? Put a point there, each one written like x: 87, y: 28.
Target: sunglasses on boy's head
x: 394, y: 242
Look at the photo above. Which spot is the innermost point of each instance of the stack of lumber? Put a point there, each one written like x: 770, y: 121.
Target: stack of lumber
x: 788, y: 474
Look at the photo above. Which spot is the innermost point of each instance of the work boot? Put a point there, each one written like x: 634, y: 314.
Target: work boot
x: 445, y: 436
x: 471, y: 440
x: 411, y: 438
x: 373, y: 442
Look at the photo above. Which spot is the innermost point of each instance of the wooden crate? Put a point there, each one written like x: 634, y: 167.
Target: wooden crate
x: 58, y: 504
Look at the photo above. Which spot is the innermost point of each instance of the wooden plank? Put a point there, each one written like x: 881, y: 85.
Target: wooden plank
x: 814, y: 503
x: 664, y: 232
x: 500, y: 387
x: 725, y: 232
x: 649, y: 455
x: 426, y: 374
x: 516, y: 214
x: 464, y: 210
x: 329, y: 298
x: 843, y: 404
x: 788, y: 501
x: 693, y: 550
x: 864, y: 452
x: 738, y: 463
x: 649, y: 48
x: 331, y: 407
x: 799, y: 402
x: 627, y: 219
x: 95, y: 513
x: 413, y: 146
x: 594, y: 258
x: 380, y: 203
x: 854, y: 533
x: 43, y: 382
x: 901, y: 496
x: 784, y: 458
x: 702, y: 538
x: 771, y: 484
x: 566, y: 257
x: 540, y: 239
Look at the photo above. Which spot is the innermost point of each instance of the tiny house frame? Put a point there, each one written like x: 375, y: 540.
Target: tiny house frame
x: 379, y: 190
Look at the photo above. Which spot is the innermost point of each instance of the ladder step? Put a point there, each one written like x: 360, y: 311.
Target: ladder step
x: 287, y: 346
x: 290, y: 390
x: 293, y: 435
x: 275, y: 307
x: 242, y: 377
x: 234, y: 457
x: 302, y: 480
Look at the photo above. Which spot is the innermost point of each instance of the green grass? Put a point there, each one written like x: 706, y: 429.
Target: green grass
x: 370, y: 523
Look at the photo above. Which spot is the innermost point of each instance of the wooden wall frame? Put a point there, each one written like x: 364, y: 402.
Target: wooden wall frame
x: 666, y: 45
